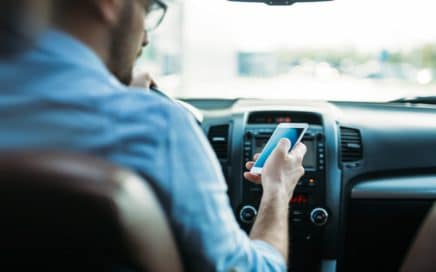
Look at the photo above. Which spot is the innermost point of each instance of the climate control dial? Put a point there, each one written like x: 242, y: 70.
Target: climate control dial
x: 319, y: 216
x: 248, y: 214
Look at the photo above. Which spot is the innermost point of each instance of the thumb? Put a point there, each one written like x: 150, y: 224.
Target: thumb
x: 282, y: 148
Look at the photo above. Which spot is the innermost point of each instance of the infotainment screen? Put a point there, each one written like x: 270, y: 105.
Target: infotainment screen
x: 309, y: 161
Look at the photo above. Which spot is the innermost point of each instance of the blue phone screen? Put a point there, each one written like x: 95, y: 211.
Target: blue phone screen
x: 293, y: 134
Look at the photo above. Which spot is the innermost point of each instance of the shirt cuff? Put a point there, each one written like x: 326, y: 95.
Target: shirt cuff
x: 271, y: 253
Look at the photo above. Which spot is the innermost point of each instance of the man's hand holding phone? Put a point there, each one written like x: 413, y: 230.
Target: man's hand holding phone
x: 282, y: 170
x: 279, y: 177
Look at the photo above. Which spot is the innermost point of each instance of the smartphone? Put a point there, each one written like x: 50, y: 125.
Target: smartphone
x: 292, y: 131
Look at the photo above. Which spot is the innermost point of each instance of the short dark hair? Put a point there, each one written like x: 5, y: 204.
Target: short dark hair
x: 61, y: 9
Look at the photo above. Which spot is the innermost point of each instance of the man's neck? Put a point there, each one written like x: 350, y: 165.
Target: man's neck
x: 91, y: 36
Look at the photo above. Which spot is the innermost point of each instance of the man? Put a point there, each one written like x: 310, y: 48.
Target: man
x: 64, y: 95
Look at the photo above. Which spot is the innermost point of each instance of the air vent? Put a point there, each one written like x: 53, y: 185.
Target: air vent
x: 351, y: 145
x: 219, y: 139
x: 277, y: 117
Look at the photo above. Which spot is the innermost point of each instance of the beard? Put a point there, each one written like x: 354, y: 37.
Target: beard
x: 120, y: 62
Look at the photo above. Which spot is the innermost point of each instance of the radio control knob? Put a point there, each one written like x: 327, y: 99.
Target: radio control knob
x: 248, y: 214
x: 319, y: 216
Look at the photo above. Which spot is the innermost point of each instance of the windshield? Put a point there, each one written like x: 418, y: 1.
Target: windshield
x: 351, y: 50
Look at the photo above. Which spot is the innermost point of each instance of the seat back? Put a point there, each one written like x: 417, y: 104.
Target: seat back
x: 422, y: 254
x: 72, y: 212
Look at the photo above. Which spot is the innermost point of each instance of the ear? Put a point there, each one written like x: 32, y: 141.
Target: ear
x: 109, y: 10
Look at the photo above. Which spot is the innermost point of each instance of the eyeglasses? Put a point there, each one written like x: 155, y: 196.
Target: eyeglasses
x: 155, y: 14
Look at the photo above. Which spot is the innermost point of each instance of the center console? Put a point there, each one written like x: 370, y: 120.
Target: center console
x: 308, y: 212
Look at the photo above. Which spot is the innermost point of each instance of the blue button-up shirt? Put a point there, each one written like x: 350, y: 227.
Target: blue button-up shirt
x: 60, y: 95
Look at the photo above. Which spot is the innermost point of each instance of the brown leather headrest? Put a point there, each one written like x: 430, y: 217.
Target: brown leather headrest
x: 75, y: 212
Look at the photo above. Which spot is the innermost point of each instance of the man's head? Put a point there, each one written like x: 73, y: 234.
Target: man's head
x: 20, y: 22
x: 115, y: 29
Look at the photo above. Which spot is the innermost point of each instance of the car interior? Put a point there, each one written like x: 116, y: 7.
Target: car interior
x: 366, y: 200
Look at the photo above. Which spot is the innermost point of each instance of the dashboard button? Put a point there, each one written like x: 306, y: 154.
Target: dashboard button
x: 297, y: 220
x: 256, y: 189
x: 297, y: 212
x: 248, y: 214
x: 319, y: 216
x: 312, y: 182
x: 320, y: 137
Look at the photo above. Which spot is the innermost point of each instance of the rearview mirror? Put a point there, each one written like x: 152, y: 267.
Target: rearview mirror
x: 279, y: 2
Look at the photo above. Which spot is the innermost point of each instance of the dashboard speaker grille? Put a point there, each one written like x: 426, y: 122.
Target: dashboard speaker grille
x: 351, y: 145
x: 219, y: 139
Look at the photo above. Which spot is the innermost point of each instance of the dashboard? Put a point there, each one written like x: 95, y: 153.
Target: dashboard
x: 308, y: 209
x: 368, y: 166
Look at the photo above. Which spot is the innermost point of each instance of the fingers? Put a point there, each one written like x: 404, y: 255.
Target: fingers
x: 148, y: 81
x: 257, y: 179
x: 282, y: 148
x: 301, y: 171
x: 249, y: 165
x: 298, y: 153
x: 250, y: 176
x: 301, y: 148
x: 153, y: 84
x: 143, y: 79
